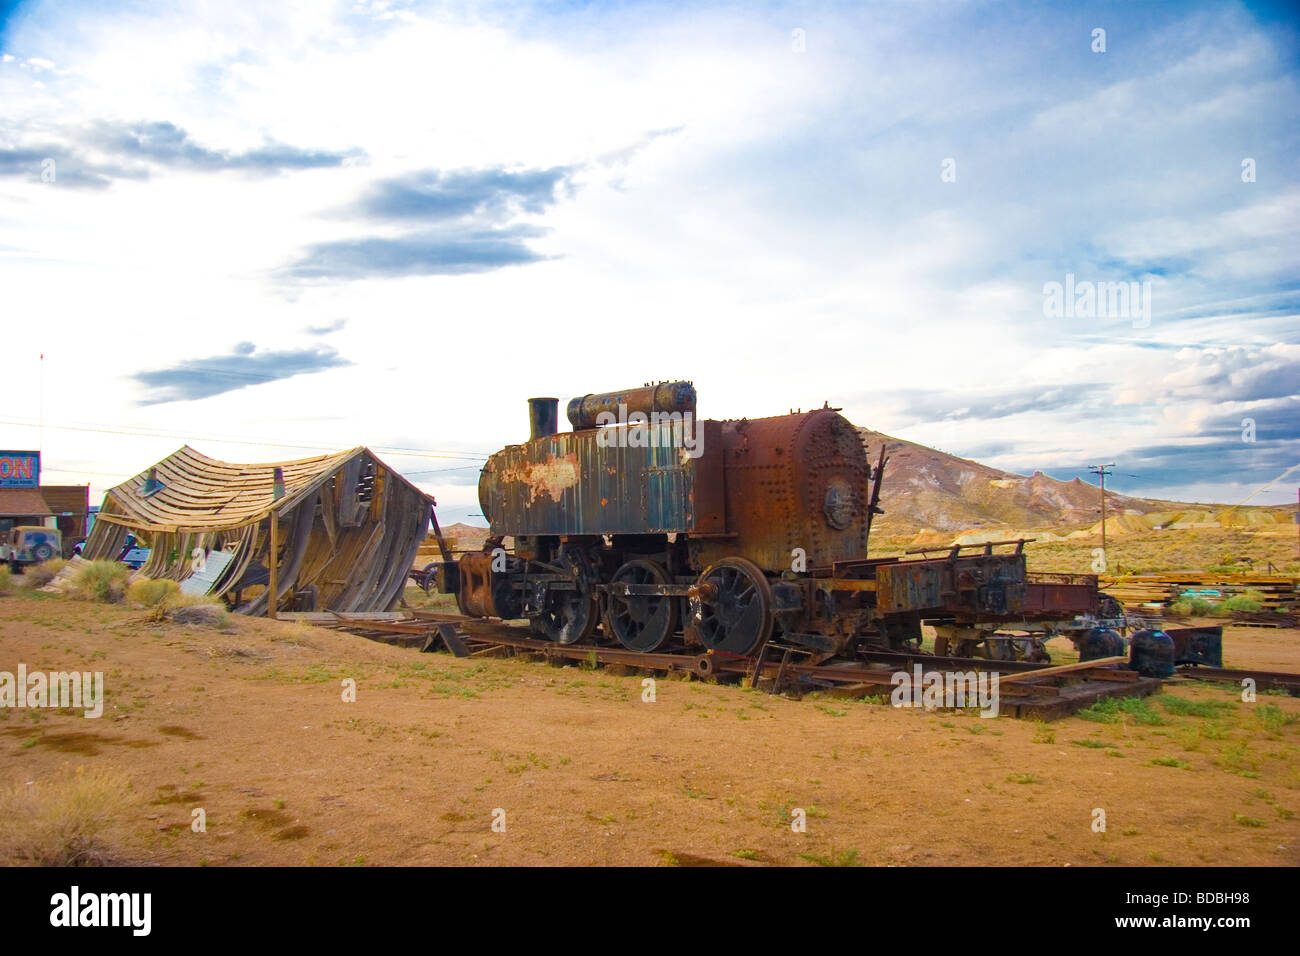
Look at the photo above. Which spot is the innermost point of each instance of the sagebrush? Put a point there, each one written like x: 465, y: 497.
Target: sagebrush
x: 60, y: 821
x: 104, y: 581
x: 39, y: 575
x: 150, y: 592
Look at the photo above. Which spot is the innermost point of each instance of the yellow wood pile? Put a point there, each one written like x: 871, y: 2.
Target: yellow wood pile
x: 1278, y: 592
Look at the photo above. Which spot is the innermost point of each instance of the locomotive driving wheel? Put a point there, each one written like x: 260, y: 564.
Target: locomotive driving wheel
x: 640, y: 622
x: 567, y: 617
x: 570, y: 615
x: 735, y: 602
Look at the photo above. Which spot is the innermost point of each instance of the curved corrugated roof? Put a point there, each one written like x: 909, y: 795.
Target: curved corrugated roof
x: 204, y: 494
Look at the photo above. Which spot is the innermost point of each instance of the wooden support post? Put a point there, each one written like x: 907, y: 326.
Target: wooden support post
x: 758, y: 664
x: 274, y: 559
x: 437, y: 533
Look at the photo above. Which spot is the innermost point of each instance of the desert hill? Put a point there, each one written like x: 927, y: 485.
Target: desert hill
x: 942, y: 498
x: 465, y: 537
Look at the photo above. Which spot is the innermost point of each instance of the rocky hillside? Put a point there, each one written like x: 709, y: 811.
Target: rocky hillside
x: 465, y: 537
x: 926, y: 488
x: 944, y: 498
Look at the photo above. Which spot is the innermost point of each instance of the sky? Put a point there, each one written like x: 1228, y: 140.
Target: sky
x: 274, y: 230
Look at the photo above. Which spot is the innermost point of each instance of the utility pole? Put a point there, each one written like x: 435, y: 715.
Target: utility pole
x: 1101, y: 471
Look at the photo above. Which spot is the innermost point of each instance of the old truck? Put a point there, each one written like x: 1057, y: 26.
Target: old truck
x: 30, y: 544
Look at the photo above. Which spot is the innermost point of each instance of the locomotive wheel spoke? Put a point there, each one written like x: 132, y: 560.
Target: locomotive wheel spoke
x: 738, y: 619
x: 641, y: 622
x: 569, y: 617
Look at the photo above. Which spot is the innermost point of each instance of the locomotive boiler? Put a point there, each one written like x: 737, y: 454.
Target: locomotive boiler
x: 649, y: 527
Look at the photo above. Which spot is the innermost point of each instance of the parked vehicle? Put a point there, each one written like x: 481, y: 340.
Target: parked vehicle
x: 133, y: 554
x: 30, y: 544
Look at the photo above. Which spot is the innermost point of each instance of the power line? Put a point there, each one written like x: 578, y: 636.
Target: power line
x: 1262, y: 488
x: 81, y: 471
x: 151, y: 433
x: 1102, y: 471
x: 437, y: 471
x: 124, y: 474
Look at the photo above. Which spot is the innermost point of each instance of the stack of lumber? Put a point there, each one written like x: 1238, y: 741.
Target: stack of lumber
x: 1267, y: 618
x: 1280, y: 593
x: 472, y: 540
x: 429, y: 550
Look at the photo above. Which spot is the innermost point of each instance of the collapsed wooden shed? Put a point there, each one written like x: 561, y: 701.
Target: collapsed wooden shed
x: 344, y: 529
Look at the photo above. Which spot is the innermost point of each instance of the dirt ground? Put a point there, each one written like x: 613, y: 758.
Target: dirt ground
x: 251, y: 726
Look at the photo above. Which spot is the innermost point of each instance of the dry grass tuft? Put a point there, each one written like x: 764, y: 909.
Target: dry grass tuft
x: 166, y: 602
x: 60, y: 821
x: 295, y: 634
x: 39, y: 575
x: 202, y: 611
x: 151, y: 592
x: 103, y: 581
x: 232, y: 652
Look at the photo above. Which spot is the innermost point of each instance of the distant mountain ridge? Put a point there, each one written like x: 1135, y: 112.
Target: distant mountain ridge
x: 930, y: 492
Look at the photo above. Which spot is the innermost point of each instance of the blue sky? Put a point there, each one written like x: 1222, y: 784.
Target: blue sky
x: 317, y: 225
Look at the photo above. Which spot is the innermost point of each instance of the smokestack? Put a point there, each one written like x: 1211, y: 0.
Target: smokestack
x: 543, y: 417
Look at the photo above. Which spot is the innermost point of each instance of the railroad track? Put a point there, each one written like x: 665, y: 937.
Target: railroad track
x: 1027, y: 690
x: 1264, y: 680
x: 872, y: 673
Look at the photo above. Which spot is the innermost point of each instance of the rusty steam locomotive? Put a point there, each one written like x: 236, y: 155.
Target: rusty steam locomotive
x: 650, y: 528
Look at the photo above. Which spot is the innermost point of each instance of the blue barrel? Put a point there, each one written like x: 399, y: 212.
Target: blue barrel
x: 1100, y: 642
x: 1152, y: 654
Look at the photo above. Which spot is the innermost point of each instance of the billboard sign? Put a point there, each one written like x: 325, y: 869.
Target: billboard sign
x: 20, y: 469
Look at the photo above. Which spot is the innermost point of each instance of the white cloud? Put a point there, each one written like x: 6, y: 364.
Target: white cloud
x: 789, y: 242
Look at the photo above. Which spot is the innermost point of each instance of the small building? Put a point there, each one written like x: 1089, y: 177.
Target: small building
x: 24, y: 506
x: 25, y: 501
x: 335, y: 532
x: 71, y: 507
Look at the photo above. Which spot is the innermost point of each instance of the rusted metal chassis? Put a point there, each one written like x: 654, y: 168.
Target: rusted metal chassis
x: 972, y: 590
x: 987, y: 586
